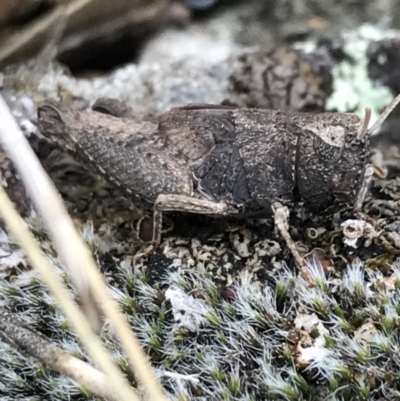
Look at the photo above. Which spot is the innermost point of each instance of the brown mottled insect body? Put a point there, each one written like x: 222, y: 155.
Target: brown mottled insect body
x: 260, y: 156
x: 221, y: 161
x: 126, y: 151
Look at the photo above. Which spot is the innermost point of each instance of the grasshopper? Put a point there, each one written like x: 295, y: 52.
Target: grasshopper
x: 222, y: 161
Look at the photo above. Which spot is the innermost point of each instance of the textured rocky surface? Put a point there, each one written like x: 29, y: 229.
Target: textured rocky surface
x: 253, y: 328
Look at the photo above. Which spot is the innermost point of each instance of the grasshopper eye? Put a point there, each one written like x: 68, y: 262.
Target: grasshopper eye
x: 355, y: 144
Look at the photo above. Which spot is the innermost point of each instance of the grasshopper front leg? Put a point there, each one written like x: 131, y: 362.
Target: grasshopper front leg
x: 281, y: 215
x: 369, y: 172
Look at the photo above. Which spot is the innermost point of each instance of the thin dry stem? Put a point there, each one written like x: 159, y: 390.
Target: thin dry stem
x: 389, y: 109
x: 13, y: 332
x: 73, y: 253
x: 59, y: 292
x: 34, y: 29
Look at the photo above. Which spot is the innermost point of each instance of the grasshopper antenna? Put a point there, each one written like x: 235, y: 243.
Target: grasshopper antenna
x: 382, y: 117
x: 364, y: 128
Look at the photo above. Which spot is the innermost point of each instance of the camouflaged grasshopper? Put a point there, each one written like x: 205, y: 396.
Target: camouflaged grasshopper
x: 222, y: 161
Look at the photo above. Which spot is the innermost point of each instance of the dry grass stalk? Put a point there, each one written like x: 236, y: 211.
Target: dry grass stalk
x: 57, y: 289
x: 72, y: 251
x: 28, y: 341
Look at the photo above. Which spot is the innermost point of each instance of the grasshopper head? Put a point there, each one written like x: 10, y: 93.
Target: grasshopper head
x: 55, y: 121
x: 331, y: 160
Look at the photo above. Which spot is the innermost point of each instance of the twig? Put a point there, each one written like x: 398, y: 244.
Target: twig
x: 69, y: 245
x: 178, y: 376
x: 37, y: 28
x: 28, y: 341
x: 60, y: 293
x: 73, y: 14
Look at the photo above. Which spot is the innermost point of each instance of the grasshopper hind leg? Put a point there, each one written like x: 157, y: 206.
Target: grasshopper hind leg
x: 178, y: 203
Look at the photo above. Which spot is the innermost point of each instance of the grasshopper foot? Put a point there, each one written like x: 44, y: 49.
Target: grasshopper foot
x: 144, y: 253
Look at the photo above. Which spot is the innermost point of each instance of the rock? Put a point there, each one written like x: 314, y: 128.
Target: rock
x: 278, y: 79
x: 384, y: 63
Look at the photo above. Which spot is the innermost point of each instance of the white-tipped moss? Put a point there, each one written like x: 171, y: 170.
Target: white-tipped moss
x: 280, y: 382
x: 318, y: 274
x: 241, y: 347
x: 328, y: 364
x: 354, y: 282
x: 256, y: 304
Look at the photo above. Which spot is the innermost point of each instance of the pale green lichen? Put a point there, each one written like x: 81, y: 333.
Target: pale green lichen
x: 353, y: 90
